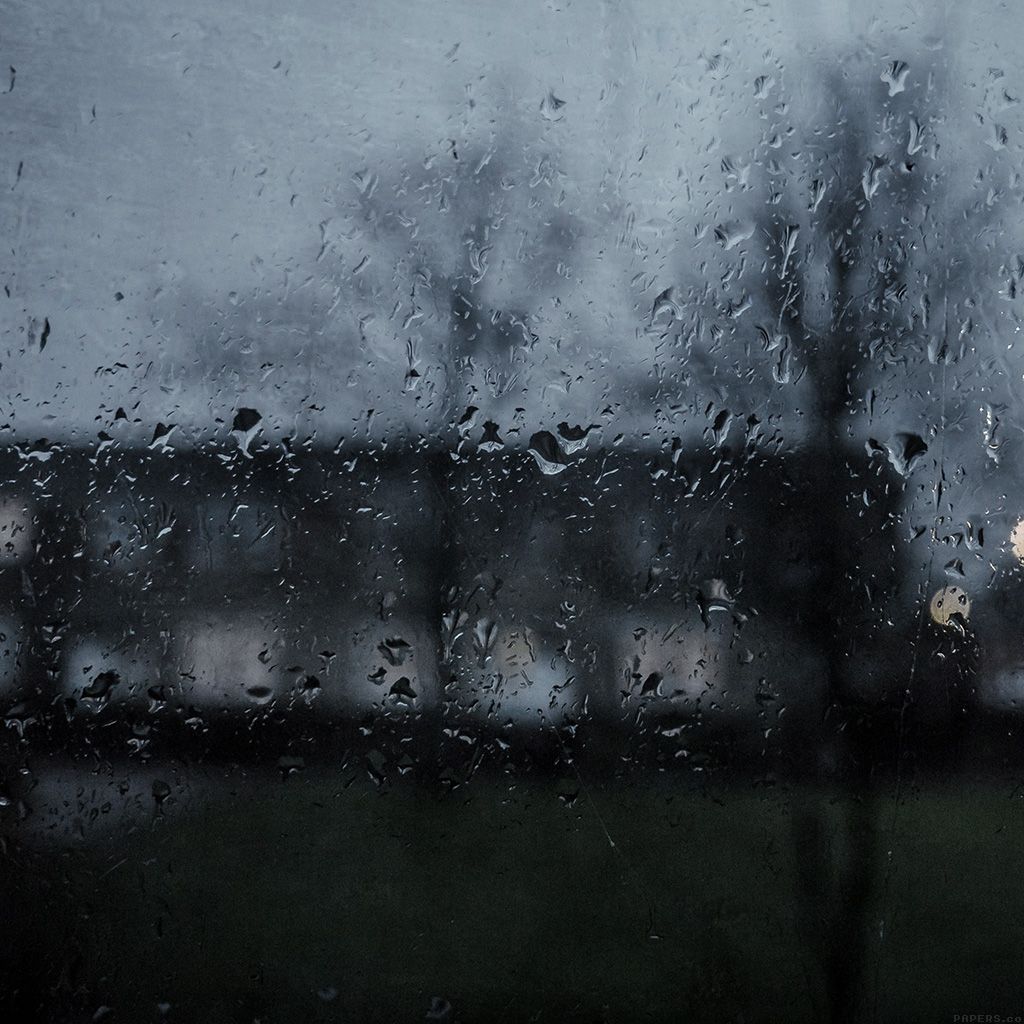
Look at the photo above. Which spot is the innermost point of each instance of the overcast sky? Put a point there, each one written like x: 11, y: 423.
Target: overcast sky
x: 181, y: 190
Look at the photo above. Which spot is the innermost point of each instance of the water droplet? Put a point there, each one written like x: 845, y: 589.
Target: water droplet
x: 491, y: 441
x: 949, y: 605
x: 871, y: 179
x: 572, y: 439
x: 732, y: 233
x: 544, y: 448
x: 914, y: 143
x: 99, y: 689
x: 665, y: 303
x: 395, y: 650
x: 895, y: 76
x: 402, y: 687
x: 550, y: 107
x: 245, y: 427
x: 904, y: 451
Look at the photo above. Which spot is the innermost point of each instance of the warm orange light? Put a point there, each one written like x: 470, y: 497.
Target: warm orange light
x: 1017, y: 540
x: 947, y: 602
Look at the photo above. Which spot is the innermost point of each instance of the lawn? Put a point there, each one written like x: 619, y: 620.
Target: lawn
x: 324, y: 897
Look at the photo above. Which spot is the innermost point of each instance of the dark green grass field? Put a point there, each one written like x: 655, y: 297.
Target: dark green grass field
x: 324, y: 898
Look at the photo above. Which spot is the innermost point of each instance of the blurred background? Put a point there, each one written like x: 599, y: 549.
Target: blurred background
x: 511, y: 512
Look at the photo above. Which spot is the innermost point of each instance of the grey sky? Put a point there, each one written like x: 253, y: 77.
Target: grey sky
x: 196, y: 158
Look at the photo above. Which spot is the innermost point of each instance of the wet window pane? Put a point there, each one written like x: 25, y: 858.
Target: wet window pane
x: 511, y: 512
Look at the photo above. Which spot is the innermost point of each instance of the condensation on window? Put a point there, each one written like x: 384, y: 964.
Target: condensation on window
x: 511, y: 512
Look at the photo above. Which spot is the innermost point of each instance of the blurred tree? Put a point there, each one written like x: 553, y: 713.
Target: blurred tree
x: 848, y: 279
